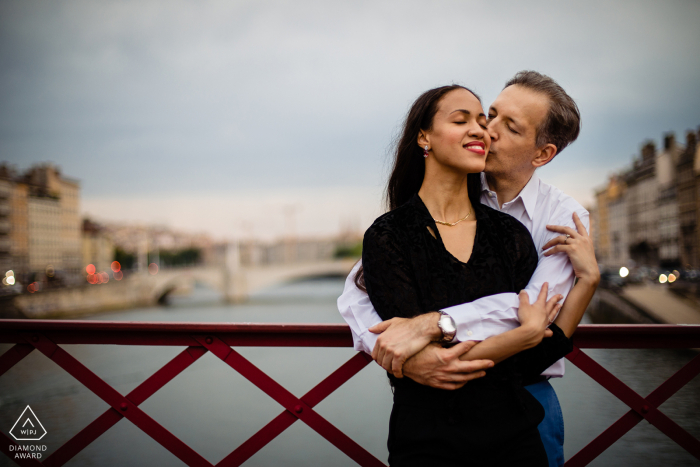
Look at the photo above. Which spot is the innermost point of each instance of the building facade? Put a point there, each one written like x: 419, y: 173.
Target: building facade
x: 647, y: 214
x: 40, y: 227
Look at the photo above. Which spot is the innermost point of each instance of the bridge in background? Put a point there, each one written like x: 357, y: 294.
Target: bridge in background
x: 236, y: 284
x: 235, y: 281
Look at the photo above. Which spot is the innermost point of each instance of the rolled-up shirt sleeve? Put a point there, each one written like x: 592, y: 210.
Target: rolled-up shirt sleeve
x: 356, y: 309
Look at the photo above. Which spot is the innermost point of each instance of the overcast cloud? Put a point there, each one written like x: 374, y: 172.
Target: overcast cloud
x: 216, y: 115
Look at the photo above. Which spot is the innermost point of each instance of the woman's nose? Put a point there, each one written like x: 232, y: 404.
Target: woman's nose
x: 491, y: 130
x: 476, y: 131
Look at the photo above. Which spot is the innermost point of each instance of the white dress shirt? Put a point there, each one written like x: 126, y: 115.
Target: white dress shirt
x: 536, y: 206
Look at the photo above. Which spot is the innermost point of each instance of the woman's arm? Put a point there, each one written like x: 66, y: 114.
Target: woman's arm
x: 534, y: 318
x: 579, y: 248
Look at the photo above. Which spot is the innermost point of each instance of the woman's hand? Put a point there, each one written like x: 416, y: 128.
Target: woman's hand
x: 535, y: 318
x: 579, y: 246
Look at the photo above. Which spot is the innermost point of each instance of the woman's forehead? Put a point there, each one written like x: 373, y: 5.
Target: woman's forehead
x: 460, y: 99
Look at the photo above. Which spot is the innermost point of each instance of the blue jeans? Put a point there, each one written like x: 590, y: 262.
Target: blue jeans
x: 552, y: 427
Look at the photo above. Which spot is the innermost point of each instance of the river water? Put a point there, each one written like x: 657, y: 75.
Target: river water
x: 213, y: 409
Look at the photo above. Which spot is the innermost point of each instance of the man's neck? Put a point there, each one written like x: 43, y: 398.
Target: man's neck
x: 509, y: 186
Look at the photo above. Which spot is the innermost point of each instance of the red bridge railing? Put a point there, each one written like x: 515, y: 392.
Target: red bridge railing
x: 46, y: 336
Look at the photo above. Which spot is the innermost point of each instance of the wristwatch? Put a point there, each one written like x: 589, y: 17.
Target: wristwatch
x: 448, y: 327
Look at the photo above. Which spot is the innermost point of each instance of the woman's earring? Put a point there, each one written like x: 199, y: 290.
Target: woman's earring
x: 425, y: 151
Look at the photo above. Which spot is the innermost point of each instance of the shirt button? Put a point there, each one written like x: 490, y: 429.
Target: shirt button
x: 469, y: 333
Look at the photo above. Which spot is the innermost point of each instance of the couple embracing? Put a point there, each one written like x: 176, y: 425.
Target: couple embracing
x: 472, y: 284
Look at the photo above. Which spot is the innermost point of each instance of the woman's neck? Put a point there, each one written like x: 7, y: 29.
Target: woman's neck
x: 445, y: 194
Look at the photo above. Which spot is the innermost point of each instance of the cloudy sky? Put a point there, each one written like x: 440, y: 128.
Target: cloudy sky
x: 259, y: 118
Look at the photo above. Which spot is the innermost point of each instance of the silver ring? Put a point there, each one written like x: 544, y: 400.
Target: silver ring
x: 567, y: 238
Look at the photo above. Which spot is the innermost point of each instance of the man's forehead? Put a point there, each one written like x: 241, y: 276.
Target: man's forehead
x: 521, y: 103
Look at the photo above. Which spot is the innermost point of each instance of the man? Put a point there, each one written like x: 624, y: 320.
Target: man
x: 531, y: 121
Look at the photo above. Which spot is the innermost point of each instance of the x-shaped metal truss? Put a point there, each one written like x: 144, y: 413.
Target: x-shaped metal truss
x: 128, y: 406
x: 302, y: 408
x: 640, y: 408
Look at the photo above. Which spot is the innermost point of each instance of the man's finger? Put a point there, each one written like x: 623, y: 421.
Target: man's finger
x: 449, y: 386
x: 476, y: 375
x: 471, y: 366
x: 378, y: 352
x: 397, y: 366
x: 459, y: 349
x: 548, y: 333
x: 386, y: 361
x: 381, y: 327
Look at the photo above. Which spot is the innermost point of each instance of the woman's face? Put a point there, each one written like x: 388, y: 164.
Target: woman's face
x: 458, y: 138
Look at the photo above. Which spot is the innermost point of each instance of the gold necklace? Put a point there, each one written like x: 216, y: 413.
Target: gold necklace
x: 452, y: 224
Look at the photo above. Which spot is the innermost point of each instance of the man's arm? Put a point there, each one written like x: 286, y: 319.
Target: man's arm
x: 399, y: 338
x: 496, y: 314
x: 357, y: 310
x: 402, y: 338
x: 489, y: 316
x: 579, y: 248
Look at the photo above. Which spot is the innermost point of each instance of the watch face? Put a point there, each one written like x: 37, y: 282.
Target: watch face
x: 447, y: 324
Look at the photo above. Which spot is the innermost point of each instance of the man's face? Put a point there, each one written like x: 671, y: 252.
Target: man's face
x: 514, y: 118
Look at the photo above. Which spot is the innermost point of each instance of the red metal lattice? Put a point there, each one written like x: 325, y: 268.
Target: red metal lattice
x: 199, y: 338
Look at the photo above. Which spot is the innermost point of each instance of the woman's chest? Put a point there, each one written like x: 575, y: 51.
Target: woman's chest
x: 443, y: 280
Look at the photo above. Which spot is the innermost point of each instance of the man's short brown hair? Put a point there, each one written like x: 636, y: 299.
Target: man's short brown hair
x: 562, y: 124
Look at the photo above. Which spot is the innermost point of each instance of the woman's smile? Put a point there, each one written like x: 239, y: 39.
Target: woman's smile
x: 477, y: 147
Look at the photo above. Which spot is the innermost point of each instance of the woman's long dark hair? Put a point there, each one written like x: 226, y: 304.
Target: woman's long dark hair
x: 409, y: 164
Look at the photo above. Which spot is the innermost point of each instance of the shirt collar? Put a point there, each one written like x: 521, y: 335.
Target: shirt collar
x: 528, y: 194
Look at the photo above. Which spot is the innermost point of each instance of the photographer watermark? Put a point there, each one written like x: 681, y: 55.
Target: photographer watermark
x: 28, y: 428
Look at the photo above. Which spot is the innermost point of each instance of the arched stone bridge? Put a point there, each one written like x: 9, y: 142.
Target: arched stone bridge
x: 237, y: 283
x: 142, y: 289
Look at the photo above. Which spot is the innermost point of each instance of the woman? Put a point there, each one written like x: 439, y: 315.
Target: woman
x: 439, y: 246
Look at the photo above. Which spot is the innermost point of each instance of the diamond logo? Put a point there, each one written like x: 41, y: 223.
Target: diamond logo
x: 28, y: 427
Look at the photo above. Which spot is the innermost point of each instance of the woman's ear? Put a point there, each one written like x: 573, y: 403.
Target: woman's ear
x: 423, y: 139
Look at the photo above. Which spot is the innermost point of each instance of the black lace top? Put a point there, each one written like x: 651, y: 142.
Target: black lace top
x: 408, y: 272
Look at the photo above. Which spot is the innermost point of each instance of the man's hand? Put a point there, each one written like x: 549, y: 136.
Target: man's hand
x: 579, y: 246
x: 441, y: 367
x: 401, y: 338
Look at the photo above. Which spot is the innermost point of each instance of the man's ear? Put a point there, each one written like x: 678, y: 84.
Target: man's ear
x: 423, y: 139
x: 544, y: 155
